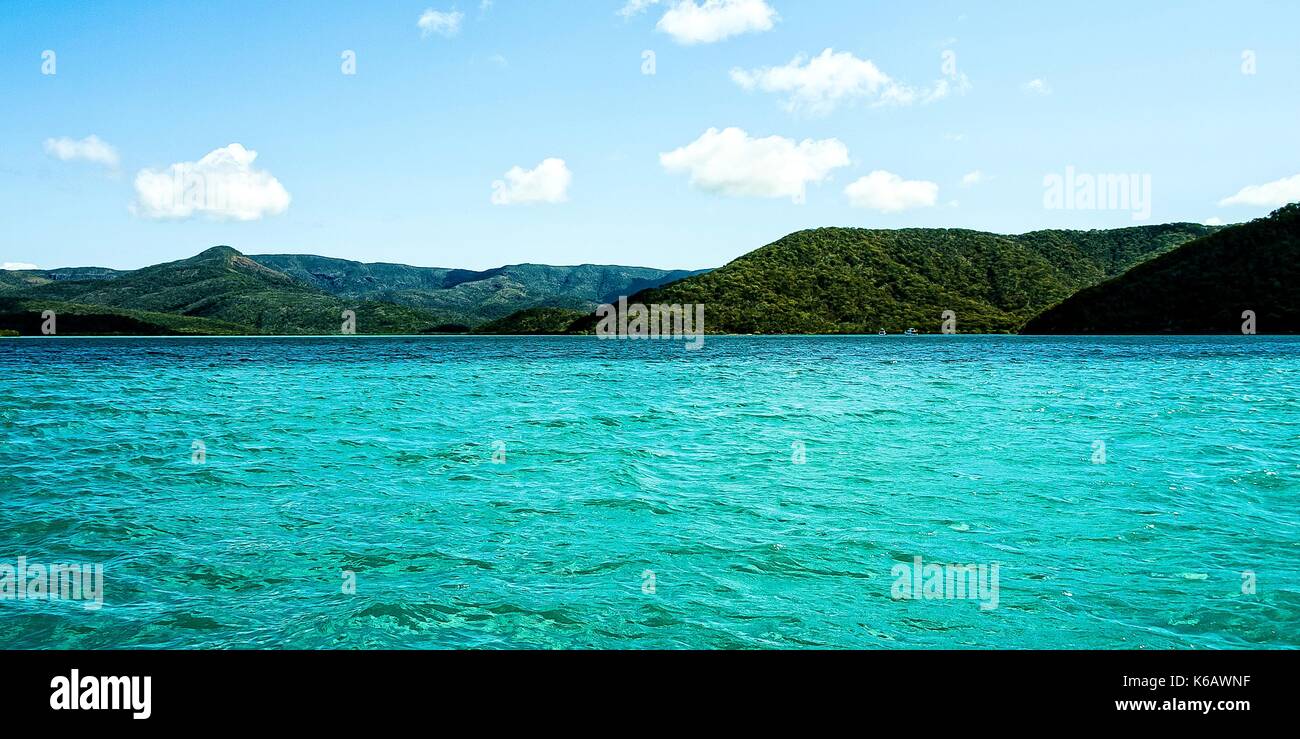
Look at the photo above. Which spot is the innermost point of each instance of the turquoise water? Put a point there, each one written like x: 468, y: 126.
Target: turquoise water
x: 649, y: 496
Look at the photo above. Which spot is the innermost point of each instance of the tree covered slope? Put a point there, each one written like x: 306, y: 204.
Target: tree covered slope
x: 225, y: 287
x: 468, y: 296
x: 842, y: 280
x: 1203, y: 287
x: 223, y: 291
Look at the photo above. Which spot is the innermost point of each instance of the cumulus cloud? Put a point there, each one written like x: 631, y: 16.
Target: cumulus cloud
x: 823, y: 82
x: 1270, y: 194
x: 715, y: 20
x: 820, y: 84
x: 731, y: 162
x: 223, y: 185
x: 971, y: 179
x: 17, y: 265
x: 1037, y: 87
x: 1216, y: 221
x: 440, y: 22
x: 889, y: 193
x: 704, y: 22
x: 547, y: 183
x: 90, y: 149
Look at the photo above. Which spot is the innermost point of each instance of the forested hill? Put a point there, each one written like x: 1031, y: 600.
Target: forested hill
x: 845, y: 280
x: 222, y: 291
x: 1204, y: 287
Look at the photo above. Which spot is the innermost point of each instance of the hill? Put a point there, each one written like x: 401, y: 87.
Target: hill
x: 225, y: 287
x: 828, y: 280
x: 15, y: 281
x: 467, y: 296
x: 536, y: 321
x: 223, y: 291
x: 24, y: 318
x: 843, y: 280
x: 1200, y: 288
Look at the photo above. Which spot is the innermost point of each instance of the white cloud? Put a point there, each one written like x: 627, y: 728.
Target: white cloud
x: 548, y: 183
x: 694, y: 22
x: 1213, y: 221
x: 17, y: 265
x: 222, y: 185
x: 439, y: 22
x: 888, y: 193
x: 732, y: 163
x: 1037, y: 87
x: 821, y: 84
x: 970, y: 179
x: 90, y: 149
x: 1270, y: 194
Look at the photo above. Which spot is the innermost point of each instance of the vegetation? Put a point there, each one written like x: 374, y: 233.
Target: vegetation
x: 15, y: 281
x: 24, y: 317
x: 220, y: 291
x: 535, y: 321
x: 840, y: 280
x: 1201, y: 288
x: 466, y: 296
x: 828, y: 280
x: 448, y: 328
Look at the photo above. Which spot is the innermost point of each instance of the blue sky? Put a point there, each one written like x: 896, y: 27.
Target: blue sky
x: 960, y: 109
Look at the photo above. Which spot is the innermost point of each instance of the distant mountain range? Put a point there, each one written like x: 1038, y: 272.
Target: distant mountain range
x: 1179, y: 277
x: 222, y: 291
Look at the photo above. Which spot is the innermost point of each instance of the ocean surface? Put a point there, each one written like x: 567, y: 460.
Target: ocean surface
x: 569, y: 492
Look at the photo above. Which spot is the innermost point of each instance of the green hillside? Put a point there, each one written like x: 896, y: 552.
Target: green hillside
x: 223, y: 291
x: 467, y: 296
x: 223, y: 286
x: 24, y: 317
x: 16, y: 281
x: 534, y: 321
x: 828, y: 280
x: 1200, y: 288
x: 841, y: 280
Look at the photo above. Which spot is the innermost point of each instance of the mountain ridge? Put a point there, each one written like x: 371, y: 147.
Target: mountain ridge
x: 231, y: 289
x: 817, y: 281
x: 848, y: 280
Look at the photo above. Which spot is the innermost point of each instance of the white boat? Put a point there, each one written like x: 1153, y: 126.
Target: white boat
x: 910, y: 332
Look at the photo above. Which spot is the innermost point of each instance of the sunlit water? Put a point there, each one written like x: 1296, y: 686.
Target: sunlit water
x: 649, y: 496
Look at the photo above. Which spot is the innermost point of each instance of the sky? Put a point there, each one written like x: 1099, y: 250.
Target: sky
x: 662, y: 133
